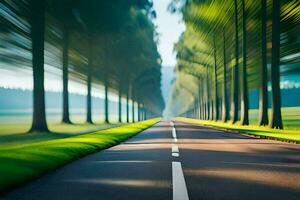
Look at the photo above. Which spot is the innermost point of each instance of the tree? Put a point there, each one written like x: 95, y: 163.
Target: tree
x: 89, y: 92
x: 132, y: 105
x: 37, y: 35
x: 244, y: 88
x: 120, y: 101
x: 63, y: 9
x: 235, y: 70
x: 89, y: 80
x: 106, y: 115
x: 263, y: 87
x: 224, y: 97
x: 66, y: 115
x: 276, y: 120
x: 216, y: 104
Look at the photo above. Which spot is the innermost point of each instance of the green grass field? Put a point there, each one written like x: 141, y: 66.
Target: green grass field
x: 21, y: 162
x: 15, y: 125
x: 290, y: 117
x: 9, y: 134
x: 291, y: 133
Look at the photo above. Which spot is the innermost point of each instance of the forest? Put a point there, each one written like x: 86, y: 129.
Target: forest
x: 104, y: 44
x: 230, y: 49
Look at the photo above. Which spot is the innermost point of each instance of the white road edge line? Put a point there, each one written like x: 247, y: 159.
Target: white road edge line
x: 179, y: 186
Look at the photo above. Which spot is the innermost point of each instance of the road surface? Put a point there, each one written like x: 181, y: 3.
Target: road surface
x: 176, y: 161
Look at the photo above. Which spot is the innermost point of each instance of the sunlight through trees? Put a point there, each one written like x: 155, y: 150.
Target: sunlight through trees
x: 231, y: 48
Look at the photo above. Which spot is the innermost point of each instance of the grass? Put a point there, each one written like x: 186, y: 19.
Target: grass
x: 290, y: 117
x: 9, y: 134
x: 16, y: 126
x: 22, y: 162
x: 259, y: 131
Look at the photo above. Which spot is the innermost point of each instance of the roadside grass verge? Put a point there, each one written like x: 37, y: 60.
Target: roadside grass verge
x: 290, y: 117
x: 20, y: 128
x: 57, y: 131
x: 258, y: 131
x: 23, y: 162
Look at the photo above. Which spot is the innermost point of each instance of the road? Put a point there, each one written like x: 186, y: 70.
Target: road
x: 176, y: 161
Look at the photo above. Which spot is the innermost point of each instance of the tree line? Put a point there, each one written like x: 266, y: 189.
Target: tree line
x: 231, y: 47
x: 109, y: 43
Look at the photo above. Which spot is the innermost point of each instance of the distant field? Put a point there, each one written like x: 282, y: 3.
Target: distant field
x: 58, y: 131
x: 14, y: 128
x: 19, y: 123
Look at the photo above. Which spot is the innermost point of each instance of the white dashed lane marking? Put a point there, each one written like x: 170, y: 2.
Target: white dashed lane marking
x: 175, y: 150
x: 173, y: 131
x: 179, y: 186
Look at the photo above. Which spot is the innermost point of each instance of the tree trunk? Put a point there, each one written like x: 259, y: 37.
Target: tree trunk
x: 207, y: 95
x: 263, y: 87
x: 276, y: 120
x: 89, y: 98
x: 132, y: 108
x: 139, y: 111
x: 39, y: 122
x: 66, y: 114
x: 127, y: 106
x: 195, y: 108
x: 235, y: 79
x: 145, y: 114
x: 89, y: 84
x: 211, y: 110
x: 199, y: 99
x: 224, y: 97
x: 244, y: 88
x: 202, y: 99
x: 216, y: 105
x: 106, y: 99
x: 120, y: 103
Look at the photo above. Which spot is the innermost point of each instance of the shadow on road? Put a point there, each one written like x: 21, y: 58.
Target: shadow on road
x: 217, y: 165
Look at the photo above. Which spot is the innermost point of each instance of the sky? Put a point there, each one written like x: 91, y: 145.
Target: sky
x: 169, y: 27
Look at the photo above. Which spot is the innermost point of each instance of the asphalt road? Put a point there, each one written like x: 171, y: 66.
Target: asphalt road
x: 185, y: 162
